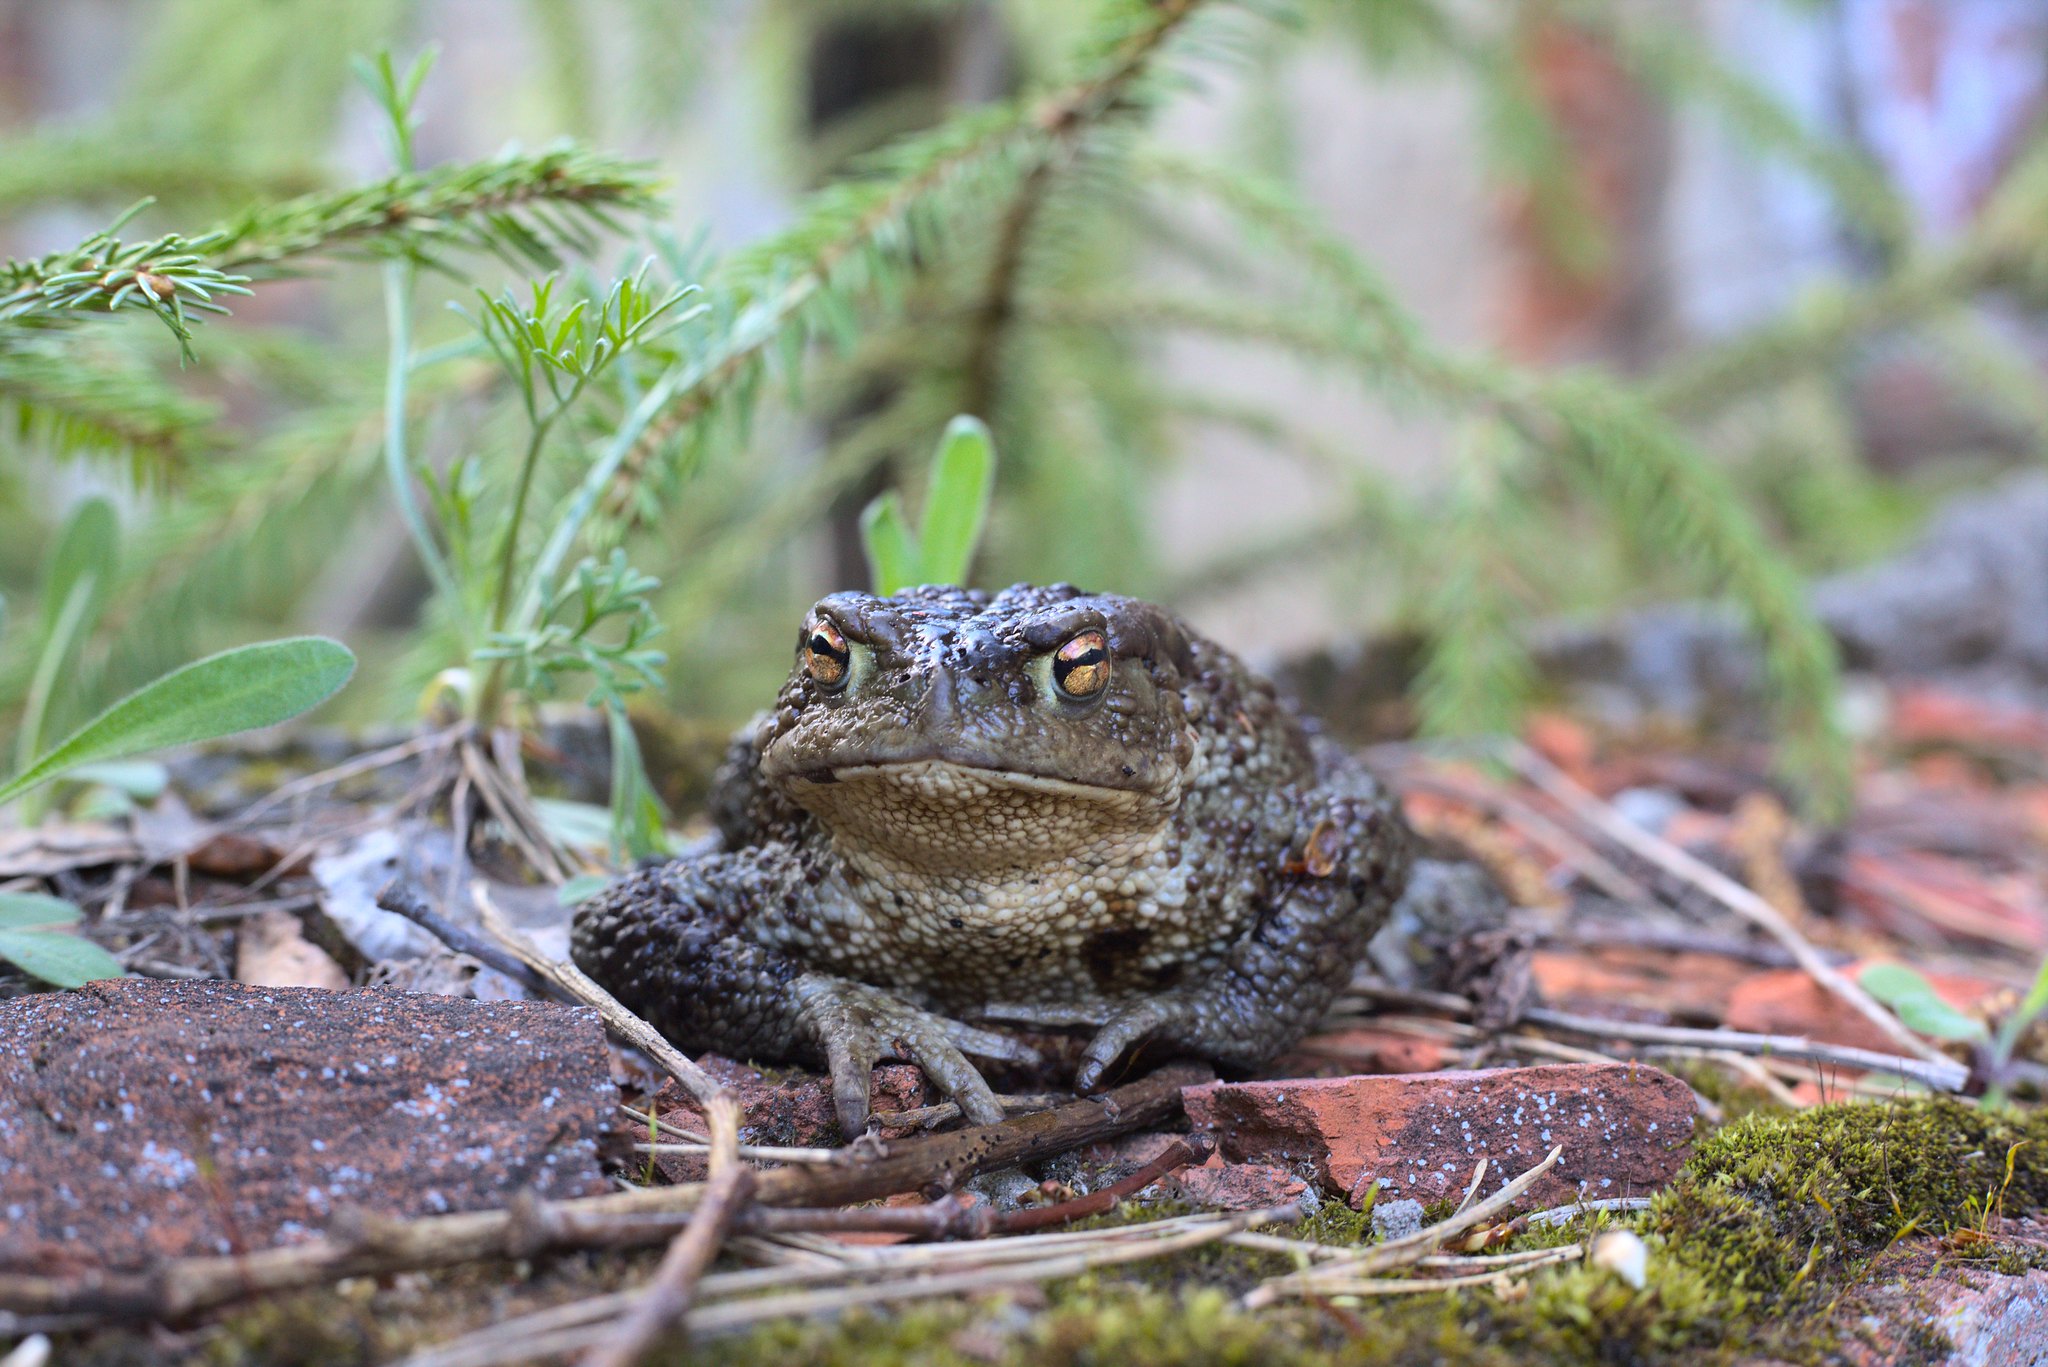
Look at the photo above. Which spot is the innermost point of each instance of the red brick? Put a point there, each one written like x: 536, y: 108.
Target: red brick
x: 1625, y: 1129
x: 147, y: 1119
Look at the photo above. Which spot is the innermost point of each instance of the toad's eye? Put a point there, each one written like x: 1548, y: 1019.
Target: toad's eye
x: 1081, y: 666
x: 825, y: 655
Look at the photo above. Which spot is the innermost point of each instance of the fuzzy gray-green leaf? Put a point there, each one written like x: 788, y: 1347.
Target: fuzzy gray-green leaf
x: 55, y: 957
x: 237, y: 690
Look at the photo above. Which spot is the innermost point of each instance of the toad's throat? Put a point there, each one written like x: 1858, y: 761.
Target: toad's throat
x: 950, y: 819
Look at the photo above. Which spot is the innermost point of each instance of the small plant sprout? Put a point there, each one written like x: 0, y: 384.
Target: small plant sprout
x: 955, y: 512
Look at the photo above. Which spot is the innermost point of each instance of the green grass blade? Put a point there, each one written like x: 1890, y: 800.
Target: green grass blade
x: 893, y: 561
x: 237, y: 690
x: 55, y: 957
x: 956, y: 506
x: 88, y: 548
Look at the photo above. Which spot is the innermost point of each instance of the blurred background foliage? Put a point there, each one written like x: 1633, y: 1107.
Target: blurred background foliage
x: 1125, y: 233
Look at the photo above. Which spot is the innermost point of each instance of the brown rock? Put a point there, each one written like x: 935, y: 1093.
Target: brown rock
x: 1990, y: 1319
x: 788, y: 1110
x: 1218, y: 1185
x: 145, y: 1119
x: 1625, y: 1129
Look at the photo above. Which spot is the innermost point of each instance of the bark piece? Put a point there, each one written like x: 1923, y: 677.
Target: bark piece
x: 144, y: 1119
x: 1626, y: 1129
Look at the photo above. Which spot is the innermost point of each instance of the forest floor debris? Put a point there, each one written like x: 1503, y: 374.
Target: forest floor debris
x: 1670, y: 913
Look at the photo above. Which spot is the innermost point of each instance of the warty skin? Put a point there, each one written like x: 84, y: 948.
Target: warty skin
x: 1038, y: 808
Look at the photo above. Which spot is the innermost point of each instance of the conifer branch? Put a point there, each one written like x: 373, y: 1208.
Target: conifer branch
x: 2002, y: 250
x: 1665, y: 494
x: 794, y: 283
x: 70, y: 406
x: 524, y: 207
x: 527, y: 206
x: 981, y: 372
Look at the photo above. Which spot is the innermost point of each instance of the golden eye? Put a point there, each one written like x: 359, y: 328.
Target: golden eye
x: 1081, y: 666
x: 825, y: 654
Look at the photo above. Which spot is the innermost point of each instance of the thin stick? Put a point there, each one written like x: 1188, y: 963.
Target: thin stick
x: 181, y: 1287
x: 1946, y: 1075
x: 1409, y: 1286
x: 576, y: 985
x: 668, y: 1297
x: 1402, y: 1251
x: 1575, y: 853
x: 1179, y: 1154
x: 1742, y: 1065
x: 1723, y: 889
x: 1557, y: 1215
x: 753, y: 1153
x: 924, y: 1117
x: 361, y: 764
x: 899, y: 1273
x: 403, y: 897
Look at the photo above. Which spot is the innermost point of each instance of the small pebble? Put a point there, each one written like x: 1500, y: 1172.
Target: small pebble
x: 1396, y: 1219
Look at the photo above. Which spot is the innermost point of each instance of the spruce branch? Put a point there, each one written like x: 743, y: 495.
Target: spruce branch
x: 1662, y: 489
x: 1476, y: 674
x: 2002, y: 250
x: 166, y: 277
x: 1668, y: 54
x: 67, y: 405
x: 860, y: 232
x: 993, y: 315
x: 526, y: 208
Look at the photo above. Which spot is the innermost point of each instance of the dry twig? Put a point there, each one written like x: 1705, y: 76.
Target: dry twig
x: 1676, y: 862
x: 1943, y: 1075
x: 576, y: 985
x: 667, y: 1298
x: 371, y: 1246
x: 1402, y: 1252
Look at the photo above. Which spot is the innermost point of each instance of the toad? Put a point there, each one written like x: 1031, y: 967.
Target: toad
x: 1036, y: 809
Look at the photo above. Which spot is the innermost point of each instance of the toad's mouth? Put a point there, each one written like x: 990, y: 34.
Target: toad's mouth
x: 966, y: 773
x: 943, y: 817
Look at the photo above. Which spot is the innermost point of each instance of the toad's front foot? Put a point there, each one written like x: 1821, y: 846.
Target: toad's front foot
x: 1186, y: 1023
x: 856, y: 1026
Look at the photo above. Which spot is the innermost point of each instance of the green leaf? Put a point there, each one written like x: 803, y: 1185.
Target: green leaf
x: 237, y: 690
x: 582, y: 888
x: 893, y: 561
x: 1918, y: 1005
x: 956, y: 506
x: 20, y: 910
x: 142, y: 779
x: 1894, y: 983
x: 638, y: 826
x: 1935, y: 1018
x: 55, y: 957
x: 581, y: 825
